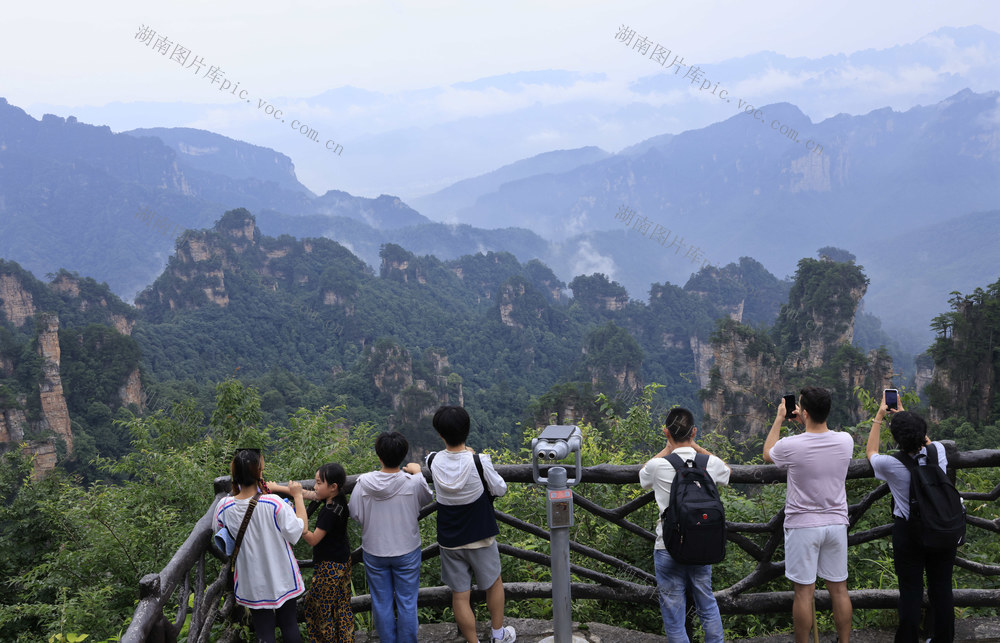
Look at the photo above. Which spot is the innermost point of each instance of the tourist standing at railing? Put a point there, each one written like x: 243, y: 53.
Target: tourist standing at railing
x: 328, y: 603
x: 387, y: 503
x: 267, y: 574
x: 910, y: 557
x: 466, y: 483
x: 815, y: 508
x: 673, y: 577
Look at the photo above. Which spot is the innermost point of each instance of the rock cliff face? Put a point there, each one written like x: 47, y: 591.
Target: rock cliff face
x: 743, y: 379
x: 42, y: 423
x: 16, y: 301
x: 44, y: 453
x: 200, y: 272
x: 55, y: 414
x: 703, y: 355
x: 414, y: 401
x: 12, y: 424
x: 619, y: 377
x: 118, y: 315
x: 131, y: 391
x: 924, y: 373
x: 810, y: 343
x: 825, y: 331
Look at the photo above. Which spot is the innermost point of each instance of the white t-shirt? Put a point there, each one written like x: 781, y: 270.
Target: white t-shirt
x: 658, y: 475
x: 267, y: 573
x: 894, y: 472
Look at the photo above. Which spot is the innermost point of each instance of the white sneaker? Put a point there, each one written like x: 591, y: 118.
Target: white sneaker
x: 509, y: 635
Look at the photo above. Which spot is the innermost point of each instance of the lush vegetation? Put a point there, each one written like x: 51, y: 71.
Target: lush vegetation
x: 76, y: 571
x: 307, y: 324
x: 967, y: 350
x: 328, y: 353
x: 823, y: 299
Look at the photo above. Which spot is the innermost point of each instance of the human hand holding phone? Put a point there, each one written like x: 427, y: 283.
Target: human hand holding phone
x: 790, y: 413
x: 890, y: 397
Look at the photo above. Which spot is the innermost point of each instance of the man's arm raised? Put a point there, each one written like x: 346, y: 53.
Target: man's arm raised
x: 775, y: 433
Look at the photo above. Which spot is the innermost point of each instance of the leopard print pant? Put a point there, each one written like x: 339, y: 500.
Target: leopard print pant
x: 328, y: 604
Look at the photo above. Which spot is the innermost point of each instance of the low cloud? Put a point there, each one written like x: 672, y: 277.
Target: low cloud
x: 587, y: 260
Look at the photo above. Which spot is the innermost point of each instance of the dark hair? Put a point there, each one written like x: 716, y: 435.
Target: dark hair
x: 452, y: 424
x: 391, y: 447
x: 245, y: 469
x: 909, y: 430
x: 679, y: 422
x: 333, y: 473
x: 816, y: 401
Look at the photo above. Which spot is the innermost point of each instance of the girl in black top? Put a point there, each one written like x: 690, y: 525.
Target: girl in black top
x: 328, y: 603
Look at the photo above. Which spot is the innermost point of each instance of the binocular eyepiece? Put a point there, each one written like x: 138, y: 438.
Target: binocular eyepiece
x: 547, y: 450
x: 556, y: 442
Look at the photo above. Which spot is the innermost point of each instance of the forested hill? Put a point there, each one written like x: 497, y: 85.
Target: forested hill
x: 309, y: 323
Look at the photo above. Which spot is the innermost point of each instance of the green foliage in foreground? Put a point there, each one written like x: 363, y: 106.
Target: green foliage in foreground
x: 74, y: 553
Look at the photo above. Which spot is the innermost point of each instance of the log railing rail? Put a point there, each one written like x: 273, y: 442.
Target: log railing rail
x: 184, y: 576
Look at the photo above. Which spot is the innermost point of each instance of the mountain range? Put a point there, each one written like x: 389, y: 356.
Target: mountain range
x: 416, y: 141
x: 917, y: 189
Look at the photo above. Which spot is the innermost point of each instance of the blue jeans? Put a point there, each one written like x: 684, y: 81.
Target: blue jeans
x: 394, y: 577
x: 671, y: 580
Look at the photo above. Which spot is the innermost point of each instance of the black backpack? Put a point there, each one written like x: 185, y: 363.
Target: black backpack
x: 694, y: 525
x: 937, y: 515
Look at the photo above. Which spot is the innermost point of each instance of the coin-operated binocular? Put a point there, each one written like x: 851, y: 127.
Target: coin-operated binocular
x: 556, y: 442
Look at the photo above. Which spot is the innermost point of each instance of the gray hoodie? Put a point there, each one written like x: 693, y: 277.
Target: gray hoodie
x: 387, y: 506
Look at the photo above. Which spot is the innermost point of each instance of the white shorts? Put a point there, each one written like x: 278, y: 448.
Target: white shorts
x: 816, y: 551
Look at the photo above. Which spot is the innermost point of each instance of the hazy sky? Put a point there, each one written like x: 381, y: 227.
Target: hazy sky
x: 69, y: 57
x: 83, y: 53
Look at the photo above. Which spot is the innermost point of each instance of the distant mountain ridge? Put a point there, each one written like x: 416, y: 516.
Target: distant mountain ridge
x: 723, y: 192
x: 733, y: 188
x: 418, y: 141
x: 203, y: 150
x: 80, y: 197
x: 446, y: 203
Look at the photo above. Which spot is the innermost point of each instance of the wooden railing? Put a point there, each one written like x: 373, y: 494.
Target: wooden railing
x: 185, y: 574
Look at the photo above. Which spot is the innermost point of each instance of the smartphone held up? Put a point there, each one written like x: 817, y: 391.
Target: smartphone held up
x: 892, y: 399
x: 790, y: 407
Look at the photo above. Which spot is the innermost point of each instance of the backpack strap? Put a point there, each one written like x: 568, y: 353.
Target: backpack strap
x: 911, y: 466
x: 700, y: 461
x: 675, y: 460
x: 482, y: 475
x: 243, y: 529
x: 932, y: 457
x: 479, y: 468
x: 910, y: 462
